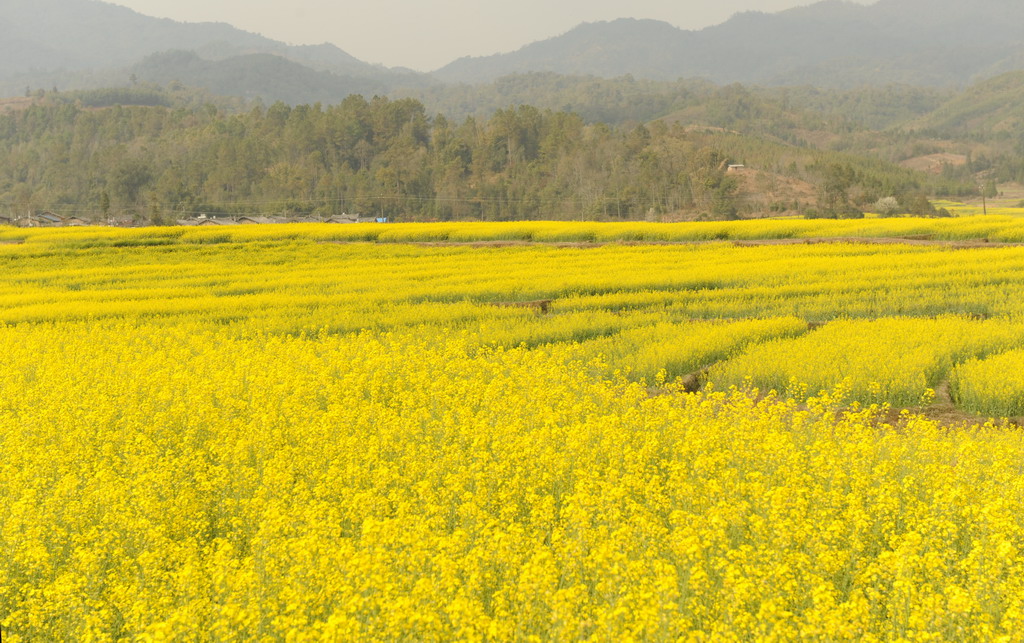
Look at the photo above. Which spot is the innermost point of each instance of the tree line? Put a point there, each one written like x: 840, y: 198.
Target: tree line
x: 388, y: 157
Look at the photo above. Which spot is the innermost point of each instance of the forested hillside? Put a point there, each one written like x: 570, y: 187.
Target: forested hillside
x: 387, y: 157
x: 624, y: 99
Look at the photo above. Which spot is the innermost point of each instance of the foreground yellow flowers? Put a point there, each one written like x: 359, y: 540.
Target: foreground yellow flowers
x: 291, y: 440
x: 382, y: 487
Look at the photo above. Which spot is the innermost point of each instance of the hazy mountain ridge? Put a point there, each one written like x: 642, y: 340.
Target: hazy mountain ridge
x: 43, y: 42
x: 831, y: 43
x: 265, y: 76
x: 605, y: 49
x: 89, y: 44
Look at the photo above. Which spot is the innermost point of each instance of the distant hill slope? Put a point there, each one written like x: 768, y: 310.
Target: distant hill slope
x: 90, y: 34
x: 991, y: 109
x: 265, y: 76
x: 831, y: 43
x: 648, y: 48
x: 70, y: 41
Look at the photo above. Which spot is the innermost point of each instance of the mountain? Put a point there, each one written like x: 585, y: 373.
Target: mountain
x: 83, y: 34
x: 831, y: 43
x: 265, y: 76
x: 647, y: 48
x: 87, y: 43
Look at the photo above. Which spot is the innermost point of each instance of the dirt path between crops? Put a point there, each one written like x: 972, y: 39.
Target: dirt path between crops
x: 942, y: 409
x: 695, y: 381
x: 907, y: 241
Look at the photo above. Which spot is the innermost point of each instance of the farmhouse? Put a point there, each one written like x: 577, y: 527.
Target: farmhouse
x: 215, y: 221
x: 39, y: 220
x: 48, y: 219
x: 343, y: 218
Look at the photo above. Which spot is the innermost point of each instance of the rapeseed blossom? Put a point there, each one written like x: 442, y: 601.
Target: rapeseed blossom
x: 270, y: 437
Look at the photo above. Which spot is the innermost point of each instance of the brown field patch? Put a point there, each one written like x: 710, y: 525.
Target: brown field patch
x: 933, y: 163
x: 17, y: 104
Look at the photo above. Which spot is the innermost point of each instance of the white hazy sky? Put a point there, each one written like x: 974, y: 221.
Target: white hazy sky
x: 428, y: 34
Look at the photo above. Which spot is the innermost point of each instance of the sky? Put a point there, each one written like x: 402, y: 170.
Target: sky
x: 427, y: 34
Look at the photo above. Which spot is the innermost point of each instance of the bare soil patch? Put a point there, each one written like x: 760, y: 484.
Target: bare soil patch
x: 767, y: 188
x: 933, y: 163
x: 943, y: 411
x: 16, y: 104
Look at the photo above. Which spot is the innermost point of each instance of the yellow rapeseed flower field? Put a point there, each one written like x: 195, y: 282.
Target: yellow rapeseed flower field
x: 895, y: 360
x: 258, y: 433
x: 993, y: 385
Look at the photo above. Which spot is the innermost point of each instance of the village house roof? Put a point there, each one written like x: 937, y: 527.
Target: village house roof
x: 48, y: 218
x: 261, y: 219
x: 213, y: 221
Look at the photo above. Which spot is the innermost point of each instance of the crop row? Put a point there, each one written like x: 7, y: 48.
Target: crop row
x: 1005, y: 226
